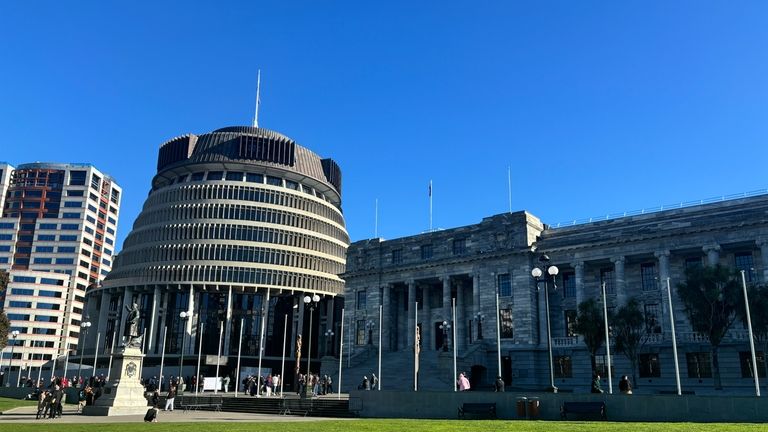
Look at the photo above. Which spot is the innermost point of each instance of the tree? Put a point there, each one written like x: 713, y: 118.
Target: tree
x: 5, y: 324
x: 591, y: 326
x: 758, y: 304
x: 710, y: 296
x: 630, y: 332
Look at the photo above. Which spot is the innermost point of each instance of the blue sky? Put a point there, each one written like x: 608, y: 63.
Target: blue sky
x: 597, y: 107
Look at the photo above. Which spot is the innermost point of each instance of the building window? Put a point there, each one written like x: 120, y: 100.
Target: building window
x: 360, y: 332
x: 397, y: 256
x: 600, y: 366
x: 563, y: 367
x: 234, y: 176
x: 744, y: 261
x: 699, y: 365
x: 215, y: 175
x: 608, y: 277
x: 426, y: 251
x: 361, y: 299
x: 692, y: 262
x: 649, y: 366
x: 505, y: 321
x: 505, y: 287
x: 459, y: 246
x: 77, y: 178
x: 569, y: 285
x: 652, y: 318
x: 649, y: 277
x: 745, y: 358
x: 570, y: 323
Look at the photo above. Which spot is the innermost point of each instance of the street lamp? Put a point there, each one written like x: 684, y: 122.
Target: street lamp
x: 84, y: 326
x: 310, y: 302
x: 14, y: 334
x: 184, y: 316
x: 479, y: 318
x: 445, y: 326
x: 370, y: 325
x: 328, y: 339
x: 549, y: 272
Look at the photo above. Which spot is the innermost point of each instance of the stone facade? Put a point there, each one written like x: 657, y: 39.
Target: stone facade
x: 633, y: 255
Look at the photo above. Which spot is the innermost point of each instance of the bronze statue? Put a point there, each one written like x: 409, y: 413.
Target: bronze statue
x: 298, y: 352
x: 132, y: 338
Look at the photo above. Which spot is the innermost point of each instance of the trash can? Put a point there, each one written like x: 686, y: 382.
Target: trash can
x: 521, y: 402
x: 534, y: 405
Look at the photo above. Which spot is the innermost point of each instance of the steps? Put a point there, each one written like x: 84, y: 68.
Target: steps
x: 325, y: 406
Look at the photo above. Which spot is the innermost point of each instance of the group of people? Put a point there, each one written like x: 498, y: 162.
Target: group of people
x: 268, y: 385
x: 315, y: 385
x: 51, y: 396
x: 625, y: 386
x: 367, y: 384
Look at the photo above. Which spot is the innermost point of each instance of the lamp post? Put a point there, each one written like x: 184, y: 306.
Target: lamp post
x: 479, y: 318
x: 445, y: 327
x: 369, y: 326
x: 184, y: 316
x: 84, y: 326
x: 310, y: 302
x: 328, y: 339
x: 14, y: 335
x: 548, y: 272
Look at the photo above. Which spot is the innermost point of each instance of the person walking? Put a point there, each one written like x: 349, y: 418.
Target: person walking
x: 170, y: 398
x: 462, y: 382
x: 625, y: 386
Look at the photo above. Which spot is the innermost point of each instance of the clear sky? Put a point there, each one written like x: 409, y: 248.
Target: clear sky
x: 597, y: 107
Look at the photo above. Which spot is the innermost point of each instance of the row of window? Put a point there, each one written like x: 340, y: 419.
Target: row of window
x: 242, y: 193
x: 222, y: 252
x: 229, y: 274
x: 28, y: 305
x: 233, y: 232
x: 38, y: 318
x: 241, y: 212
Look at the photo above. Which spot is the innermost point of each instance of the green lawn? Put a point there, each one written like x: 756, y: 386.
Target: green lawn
x: 8, y: 403
x: 365, y: 425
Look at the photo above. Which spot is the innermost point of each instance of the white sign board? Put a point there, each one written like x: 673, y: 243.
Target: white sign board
x: 209, y: 383
x: 211, y: 360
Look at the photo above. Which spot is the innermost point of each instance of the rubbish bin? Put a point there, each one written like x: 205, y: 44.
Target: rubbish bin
x: 521, y: 402
x: 534, y: 405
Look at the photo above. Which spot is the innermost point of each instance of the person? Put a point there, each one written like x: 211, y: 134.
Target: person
x: 151, y: 415
x: 276, y: 383
x: 366, y: 385
x: 374, y: 381
x: 625, y: 387
x: 498, y: 386
x: 462, y: 382
x: 227, y: 379
x: 170, y: 398
x: 596, y: 384
x: 155, y: 398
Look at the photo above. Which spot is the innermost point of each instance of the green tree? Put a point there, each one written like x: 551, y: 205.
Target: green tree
x: 629, y: 327
x: 591, y: 326
x: 758, y: 305
x: 5, y: 324
x: 710, y: 296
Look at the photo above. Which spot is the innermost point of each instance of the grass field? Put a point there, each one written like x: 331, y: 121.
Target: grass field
x: 376, y: 425
x: 7, y: 403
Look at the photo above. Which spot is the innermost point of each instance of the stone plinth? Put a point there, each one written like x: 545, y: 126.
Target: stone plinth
x: 123, y: 395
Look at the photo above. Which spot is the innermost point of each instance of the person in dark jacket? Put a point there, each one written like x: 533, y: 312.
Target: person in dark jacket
x: 625, y: 387
x: 596, y: 384
x: 498, y: 386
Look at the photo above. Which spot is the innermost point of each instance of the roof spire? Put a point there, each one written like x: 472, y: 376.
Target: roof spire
x: 258, y: 100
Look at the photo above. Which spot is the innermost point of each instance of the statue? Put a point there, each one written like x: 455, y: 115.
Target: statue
x: 298, y: 352
x: 132, y: 339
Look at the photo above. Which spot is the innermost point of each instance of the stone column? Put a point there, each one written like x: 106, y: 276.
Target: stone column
x: 411, y: 318
x: 386, y: 318
x: 330, y: 345
x: 713, y: 254
x: 663, y: 257
x: 426, y: 324
x: 619, y: 281
x: 475, y: 303
x: 101, y: 324
x: 579, y: 267
x: 461, y: 334
x: 446, y: 313
x: 762, y: 243
x: 542, y: 313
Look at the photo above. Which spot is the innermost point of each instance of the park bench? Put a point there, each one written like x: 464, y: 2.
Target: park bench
x: 292, y: 406
x: 478, y: 409
x: 194, y: 403
x: 583, y: 408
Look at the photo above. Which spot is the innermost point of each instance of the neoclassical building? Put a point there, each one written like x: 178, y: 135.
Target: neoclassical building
x: 239, y: 222
x: 632, y: 255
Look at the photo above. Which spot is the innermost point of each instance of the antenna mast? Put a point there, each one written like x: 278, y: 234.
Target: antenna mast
x: 258, y: 100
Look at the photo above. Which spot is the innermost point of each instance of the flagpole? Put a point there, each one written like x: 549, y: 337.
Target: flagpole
x: 239, y: 349
x: 381, y: 313
x: 341, y: 349
x: 455, y: 370
x: 112, y: 351
x: 607, y: 341
x: 162, y: 358
x: 751, y: 336
x: 416, y: 346
x: 430, y: 206
x: 376, y: 221
x: 674, y: 339
x: 498, y: 333
x: 282, y: 364
x: 66, y: 366
x: 96, y: 353
x: 218, y: 357
x: 199, y: 355
x: 264, y: 312
x: 509, y: 187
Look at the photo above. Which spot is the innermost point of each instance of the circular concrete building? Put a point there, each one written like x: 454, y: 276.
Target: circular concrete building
x: 237, y: 219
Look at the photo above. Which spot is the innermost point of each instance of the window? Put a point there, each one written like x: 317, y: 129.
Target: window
x: 65, y: 261
x: 18, y: 317
x: 43, y: 331
x: 47, y: 293
x: 48, y: 226
x: 44, y: 249
x: 570, y: 323
x: 24, y: 279
x: 569, y: 285
x: 67, y: 238
x: 361, y: 299
x: 274, y: 181
x: 40, y: 260
x: 608, y: 277
x: 45, y: 318
x: 254, y: 178
x: 505, y: 321
x: 699, y: 365
x: 77, y: 178
x: 747, y: 371
x: 74, y: 193
x: 649, y: 366
x: 360, y: 332
x: 291, y: 185
x: 649, y: 277
x: 397, y: 256
x: 20, y: 304
x: 70, y: 216
x: 6, y: 225
x: 70, y: 227
x: 5, y: 248
x: 234, y: 176
x: 66, y: 249
x: 198, y: 176
x: 6, y: 236
x: 73, y: 204
x: 22, y: 291
x: 426, y: 251
x: 459, y: 246
x: 505, y: 287
x: 563, y: 367
x: 652, y: 318
x: 49, y: 306
x: 600, y: 365
x: 744, y: 261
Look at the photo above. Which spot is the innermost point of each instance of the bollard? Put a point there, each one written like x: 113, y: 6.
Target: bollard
x: 521, y: 402
x: 534, y: 405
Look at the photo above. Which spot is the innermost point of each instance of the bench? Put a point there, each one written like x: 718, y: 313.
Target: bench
x: 296, y: 406
x: 478, y: 409
x: 583, y: 408
x: 194, y: 403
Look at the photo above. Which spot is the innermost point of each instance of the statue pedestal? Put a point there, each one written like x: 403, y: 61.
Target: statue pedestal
x: 123, y: 394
